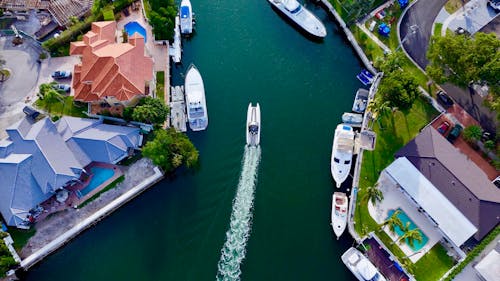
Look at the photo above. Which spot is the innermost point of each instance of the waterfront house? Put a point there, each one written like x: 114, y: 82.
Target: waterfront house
x: 111, y: 73
x: 39, y: 158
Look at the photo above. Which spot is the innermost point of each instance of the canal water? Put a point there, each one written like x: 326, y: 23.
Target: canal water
x: 176, y: 230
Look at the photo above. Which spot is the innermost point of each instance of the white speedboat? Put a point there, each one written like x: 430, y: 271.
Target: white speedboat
x: 339, y: 212
x: 195, y: 100
x: 342, y: 150
x: 360, y: 101
x: 253, y: 125
x: 360, y: 266
x: 186, y: 17
x: 301, y: 16
x: 353, y: 119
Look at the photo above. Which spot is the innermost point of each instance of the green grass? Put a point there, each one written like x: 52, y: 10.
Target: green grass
x: 21, y: 236
x: 63, y: 107
x: 438, y: 27
x: 453, y: 5
x: 160, y: 85
x: 108, y: 187
x: 108, y: 13
x: 370, y: 48
x: 437, y: 259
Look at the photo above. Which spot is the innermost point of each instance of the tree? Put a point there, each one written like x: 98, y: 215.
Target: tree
x: 150, y: 110
x: 472, y: 133
x: 460, y: 59
x: 490, y: 145
x: 410, y: 235
x: 393, y: 221
x: 399, y: 88
x: 391, y: 62
x: 374, y: 194
x: 170, y: 149
x: 379, y: 108
x: 49, y: 95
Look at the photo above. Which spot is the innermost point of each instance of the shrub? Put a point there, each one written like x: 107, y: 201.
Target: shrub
x: 472, y: 133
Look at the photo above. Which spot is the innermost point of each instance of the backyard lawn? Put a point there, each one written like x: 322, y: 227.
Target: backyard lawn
x: 160, y: 85
x: 63, y: 106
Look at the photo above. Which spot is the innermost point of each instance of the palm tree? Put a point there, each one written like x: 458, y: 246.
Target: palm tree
x: 374, y: 194
x: 411, y: 234
x: 393, y: 221
x: 379, y: 108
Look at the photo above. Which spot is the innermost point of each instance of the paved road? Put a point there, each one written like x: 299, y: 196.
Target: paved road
x: 421, y: 14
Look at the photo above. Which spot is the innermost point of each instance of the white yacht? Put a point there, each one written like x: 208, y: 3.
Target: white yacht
x: 339, y: 212
x: 360, y: 266
x: 195, y: 100
x: 253, y: 125
x: 186, y: 17
x: 342, y: 150
x: 301, y: 16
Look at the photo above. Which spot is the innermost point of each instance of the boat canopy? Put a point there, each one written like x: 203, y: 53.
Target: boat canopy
x: 291, y: 5
x: 449, y: 219
x: 345, y: 145
x: 366, y: 269
x: 184, y: 12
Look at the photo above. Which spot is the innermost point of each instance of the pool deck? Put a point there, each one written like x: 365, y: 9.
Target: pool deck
x: 394, y: 199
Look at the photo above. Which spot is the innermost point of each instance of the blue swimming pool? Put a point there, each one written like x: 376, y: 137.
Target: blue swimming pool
x: 99, y: 175
x: 405, y: 219
x: 133, y: 27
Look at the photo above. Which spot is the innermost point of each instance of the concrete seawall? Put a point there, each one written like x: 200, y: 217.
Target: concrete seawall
x: 91, y: 220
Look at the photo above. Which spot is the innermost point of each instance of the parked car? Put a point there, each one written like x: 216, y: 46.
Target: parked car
x: 62, y: 87
x: 462, y: 31
x: 444, y: 99
x: 443, y: 127
x: 60, y: 74
x: 494, y: 4
x: 454, y: 133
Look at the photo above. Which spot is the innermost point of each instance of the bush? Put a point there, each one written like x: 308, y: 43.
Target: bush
x: 472, y: 133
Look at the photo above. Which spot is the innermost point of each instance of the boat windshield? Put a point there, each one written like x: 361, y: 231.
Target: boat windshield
x: 296, y: 10
x: 196, y: 111
x: 336, y: 160
x: 254, y: 129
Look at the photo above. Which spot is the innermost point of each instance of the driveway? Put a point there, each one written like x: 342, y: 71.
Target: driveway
x: 422, y: 14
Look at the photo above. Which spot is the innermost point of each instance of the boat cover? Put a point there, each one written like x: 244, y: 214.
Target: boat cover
x: 184, y: 12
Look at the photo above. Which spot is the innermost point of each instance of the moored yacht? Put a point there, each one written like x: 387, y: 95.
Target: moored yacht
x: 360, y: 266
x: 342, y: 150
x: 186, y: 17
x: 253, y: 125
x: 339, y: 212
x: 301, y: 16
x: 195, y: 100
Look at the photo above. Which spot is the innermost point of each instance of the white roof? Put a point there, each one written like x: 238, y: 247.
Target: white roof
x: 450, y: 220
x: 489, y: 266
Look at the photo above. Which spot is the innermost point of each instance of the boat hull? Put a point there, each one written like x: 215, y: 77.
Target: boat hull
x: 253, y: 127
x: 339, y: 213
x: 195, y: 100
x: 186, y: 16
x: 342, y: 151
x: 317, y: 31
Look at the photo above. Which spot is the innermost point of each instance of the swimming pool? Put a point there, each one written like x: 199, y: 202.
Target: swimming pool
x: 99, y: 175
x: 405, y: 219
x: 133, y: 27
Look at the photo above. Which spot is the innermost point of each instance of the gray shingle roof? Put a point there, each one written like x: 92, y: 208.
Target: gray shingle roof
x: 457, y: 177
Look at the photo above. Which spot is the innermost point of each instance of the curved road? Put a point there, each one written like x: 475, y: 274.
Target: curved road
x: 422, y: 14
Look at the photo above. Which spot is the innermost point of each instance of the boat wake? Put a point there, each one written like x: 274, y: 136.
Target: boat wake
x: 234, y: 249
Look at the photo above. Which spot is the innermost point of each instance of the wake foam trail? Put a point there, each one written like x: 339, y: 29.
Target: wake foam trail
x: 234, y: 250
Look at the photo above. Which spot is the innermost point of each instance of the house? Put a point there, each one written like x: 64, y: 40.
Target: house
x: 38, y: 158
x: 117, y: 73
x: 450, y: 188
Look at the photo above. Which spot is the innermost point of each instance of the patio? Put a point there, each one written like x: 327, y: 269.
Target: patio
x: 394, y: 198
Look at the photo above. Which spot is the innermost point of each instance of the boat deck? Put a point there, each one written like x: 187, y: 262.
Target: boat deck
x: 178, y: 116
x: 175, y: 50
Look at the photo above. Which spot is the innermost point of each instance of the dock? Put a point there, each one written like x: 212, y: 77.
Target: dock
x: 176, y: 50
x: 178, y: 117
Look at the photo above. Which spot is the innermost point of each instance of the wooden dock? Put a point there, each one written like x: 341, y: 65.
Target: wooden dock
x: 178, y: 117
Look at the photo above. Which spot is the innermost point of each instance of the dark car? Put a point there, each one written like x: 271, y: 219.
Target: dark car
x: 443, y: 127
x: 462, y: 31
x: 444, y: 99
x: 454, y: 133
x: 61, y: 74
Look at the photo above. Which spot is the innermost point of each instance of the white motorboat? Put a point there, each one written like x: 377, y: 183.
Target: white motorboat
x: 186, y: 13
x: 352, y: 119
x: 253, y: 125
x: 360, y: 101
x: 360, y: 266
x: 195, y: 100
x: 339, y: 212
x: 342, y: 150
x: 301, y: 16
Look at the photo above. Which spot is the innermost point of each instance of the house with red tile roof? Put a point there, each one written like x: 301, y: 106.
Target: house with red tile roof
x: 117, y: 73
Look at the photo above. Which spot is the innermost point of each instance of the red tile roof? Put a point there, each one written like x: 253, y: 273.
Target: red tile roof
x: 110, y: 69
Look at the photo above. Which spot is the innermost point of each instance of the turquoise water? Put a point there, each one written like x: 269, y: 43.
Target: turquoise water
x: 133, y: 27
x: 99, y: 175
x: 175, y: 231
x: 405, y: 219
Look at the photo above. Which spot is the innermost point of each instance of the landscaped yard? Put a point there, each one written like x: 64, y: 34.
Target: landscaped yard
x: 437, y: 259
x: 160, y: 85
x: 64, y: 106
